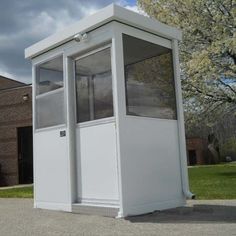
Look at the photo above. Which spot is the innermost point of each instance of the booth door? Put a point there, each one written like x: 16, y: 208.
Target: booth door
x: 50, y: 134
x: 96, y: 132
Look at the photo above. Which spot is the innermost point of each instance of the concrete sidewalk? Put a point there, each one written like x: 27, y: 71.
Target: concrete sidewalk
x: 18, y: 218
x: 16, y: 186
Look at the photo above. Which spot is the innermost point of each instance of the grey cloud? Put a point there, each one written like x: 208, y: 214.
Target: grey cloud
x: 24, y: 22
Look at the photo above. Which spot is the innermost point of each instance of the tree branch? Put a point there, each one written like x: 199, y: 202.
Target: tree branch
x: 213, y: 97
x: 227, y: 85
x: 226, y: 9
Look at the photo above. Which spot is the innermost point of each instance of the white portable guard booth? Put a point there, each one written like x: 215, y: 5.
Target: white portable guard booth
x: 108, y: 118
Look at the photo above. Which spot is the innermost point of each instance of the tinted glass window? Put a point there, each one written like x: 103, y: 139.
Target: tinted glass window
x: 49, y: 110
x: 150, y: 89
x: 49, y: 75
x: 94, y: 86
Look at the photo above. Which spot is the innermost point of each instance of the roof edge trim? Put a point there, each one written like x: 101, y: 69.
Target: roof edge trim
x: 104, y: 16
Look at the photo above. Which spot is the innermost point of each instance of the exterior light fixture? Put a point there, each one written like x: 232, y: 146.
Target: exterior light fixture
x: 25, y: 97
x: 81, y: 37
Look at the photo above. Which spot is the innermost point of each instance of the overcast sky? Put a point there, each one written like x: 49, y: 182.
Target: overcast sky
x: 25, y: 22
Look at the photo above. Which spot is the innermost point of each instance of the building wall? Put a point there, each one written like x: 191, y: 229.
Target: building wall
x: 198, y: 145
x: 14, y: 113
x: 6, y: 83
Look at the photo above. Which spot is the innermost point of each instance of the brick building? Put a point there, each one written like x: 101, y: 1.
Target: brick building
x: 196, y: 151
x: 15, y: 132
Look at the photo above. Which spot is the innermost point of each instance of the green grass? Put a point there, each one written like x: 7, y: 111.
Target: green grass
x: 207, y: 182
x: 213, y: 182
x: 24, y: 192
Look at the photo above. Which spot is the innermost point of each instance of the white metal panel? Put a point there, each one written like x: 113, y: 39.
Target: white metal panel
x: 71, y: 132
x: 96, y: 38
x: 95, y: 140
x: 150, y: 165
x: 137, y: 33
x: 34, y: 126
x: 119, y: 100
x: 107, y: 14
x: 52, y: 165
x: 180, y: 115
x: 97, y: 182
x: 148, y: 154
x: 145, y: 23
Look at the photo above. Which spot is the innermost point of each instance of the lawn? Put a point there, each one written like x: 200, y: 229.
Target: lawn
x: 213, y: 182
x: 207, y: 182
x: 24, y: 192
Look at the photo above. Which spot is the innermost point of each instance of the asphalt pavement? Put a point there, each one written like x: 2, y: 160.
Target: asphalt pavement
x: 218, y: 217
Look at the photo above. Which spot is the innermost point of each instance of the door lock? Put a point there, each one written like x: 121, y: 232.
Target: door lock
x: 62, y: 133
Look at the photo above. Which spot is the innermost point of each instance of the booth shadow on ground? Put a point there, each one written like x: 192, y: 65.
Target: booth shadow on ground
x: 190, y: 214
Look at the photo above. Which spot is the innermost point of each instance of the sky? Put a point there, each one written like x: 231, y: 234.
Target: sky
x: 25, y: 22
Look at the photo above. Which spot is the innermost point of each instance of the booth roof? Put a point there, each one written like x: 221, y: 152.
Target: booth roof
x: 105, y: 15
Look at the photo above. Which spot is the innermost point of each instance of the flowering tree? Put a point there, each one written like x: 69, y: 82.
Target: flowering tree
x: 207, y: 52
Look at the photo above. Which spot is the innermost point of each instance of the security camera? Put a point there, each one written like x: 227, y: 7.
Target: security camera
x: 78, y: 37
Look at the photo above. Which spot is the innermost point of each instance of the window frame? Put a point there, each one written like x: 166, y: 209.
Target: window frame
x: 157, y: 40
x: 49, y: 93
x: 37, y: 73
x: 104, y: 120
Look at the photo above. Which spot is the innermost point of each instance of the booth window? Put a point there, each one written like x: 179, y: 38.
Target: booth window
x: 94, y: 86
x: 50, y: 76
x: 50, y: 94
x: 149, y: 79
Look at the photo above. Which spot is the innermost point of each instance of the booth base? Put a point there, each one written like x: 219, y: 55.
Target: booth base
x: 108, y: 211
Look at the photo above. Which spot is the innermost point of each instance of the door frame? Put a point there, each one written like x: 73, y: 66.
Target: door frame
x: 102, y: 120
x: 97, y: 38
x: 76, y: 126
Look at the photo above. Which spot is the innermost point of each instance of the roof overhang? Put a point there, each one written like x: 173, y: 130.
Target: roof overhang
x: 104, y: 16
